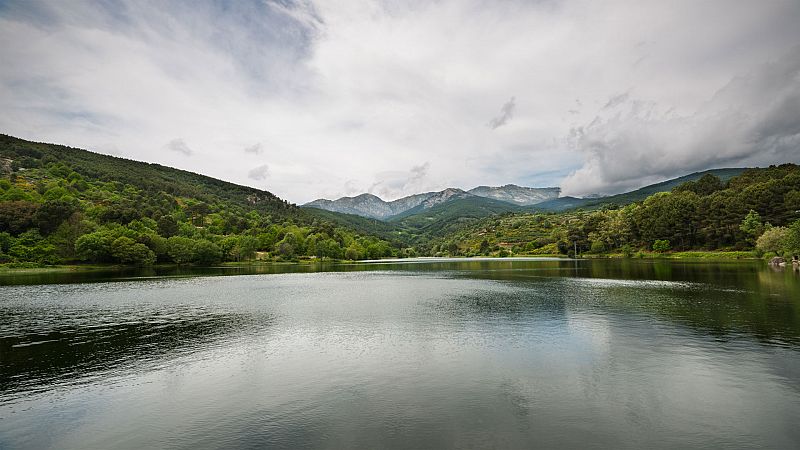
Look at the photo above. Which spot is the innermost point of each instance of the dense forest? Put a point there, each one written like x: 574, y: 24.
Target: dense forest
x: 757, y: 210
x: 63, y: 205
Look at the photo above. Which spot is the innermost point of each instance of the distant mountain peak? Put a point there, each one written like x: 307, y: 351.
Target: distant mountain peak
x: 372, y: 206
x: 518, y: 195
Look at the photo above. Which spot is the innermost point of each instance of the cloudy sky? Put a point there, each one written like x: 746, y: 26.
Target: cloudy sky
x: 316, y: 99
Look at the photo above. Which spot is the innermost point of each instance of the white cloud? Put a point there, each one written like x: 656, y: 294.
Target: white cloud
x: 352, y: 93
x: 753, y: 120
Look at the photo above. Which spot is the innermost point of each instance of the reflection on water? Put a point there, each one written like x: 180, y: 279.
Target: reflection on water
x: 434, y: 354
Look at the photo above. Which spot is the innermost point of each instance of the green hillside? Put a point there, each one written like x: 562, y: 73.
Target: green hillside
x: 60, y: 204
x: 450, y: 216
x: 699, y: 214
x: 569, y: 203
x: 65, y: 205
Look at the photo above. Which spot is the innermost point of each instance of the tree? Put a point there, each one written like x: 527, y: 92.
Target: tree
x: 329, y: 248
x: 30, y: 246
x: 17, y: 216
x: 773, y: 240
x: 180, y: 249
x: 751, y: 225
x: 206, y: 253
x: 6, y: 241
x: 706, y: 185
x: 128, y: 251
x: 452, y: 249
x: 354, y: 252
x: 94, y: 247
x: 661, y: 245
x: 598, y: 247
x: 792, y: 242
x: 53, y: 212
x: 167, y: 226
x: 246, y: 247
x: 286, y: 246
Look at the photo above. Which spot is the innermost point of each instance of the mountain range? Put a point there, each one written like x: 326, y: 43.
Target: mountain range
x: 489, y: 200
x: 372, y: 206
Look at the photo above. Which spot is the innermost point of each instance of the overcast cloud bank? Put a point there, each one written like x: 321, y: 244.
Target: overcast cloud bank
x: 394, y: 98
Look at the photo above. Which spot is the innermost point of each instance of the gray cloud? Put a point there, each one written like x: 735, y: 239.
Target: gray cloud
x: 506, y: 114
x: 344, y: 92
x: 617, y: 100
x: 390, y: 185
x: 418, y: 173
x: 179, y: 146
x: 259, y: 173
x: 255, y: 149
x: 753, y: 120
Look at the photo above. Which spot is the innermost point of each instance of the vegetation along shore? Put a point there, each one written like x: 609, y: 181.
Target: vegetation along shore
x: 66, y: 206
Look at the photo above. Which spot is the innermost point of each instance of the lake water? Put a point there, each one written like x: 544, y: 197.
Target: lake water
x: 417, y: 354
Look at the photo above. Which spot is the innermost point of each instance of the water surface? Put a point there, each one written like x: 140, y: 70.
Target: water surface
x: 412, y: 354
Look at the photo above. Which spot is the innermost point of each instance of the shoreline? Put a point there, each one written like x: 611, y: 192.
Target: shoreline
x: 710, y: 256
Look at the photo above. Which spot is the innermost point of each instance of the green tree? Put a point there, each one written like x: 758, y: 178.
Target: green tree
x: 32, y: 247
x: 751, y: 225
x: 53, y: 212
x: 286, y: 246
x: 792, y: 242
x: 773, y: 240
x: 95, y: 247
x: 246, y: 247
x: 598, y: 247
x: 661, y: 245
x: 180, y: 249
x: 167, y: 226
x: 128, y: 251
x: 206, y: 253
x: 17, y: 216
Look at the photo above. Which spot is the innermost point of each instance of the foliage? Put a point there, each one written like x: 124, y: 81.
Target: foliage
x: 661, y: 245
x: 706, y: 213
x: 751, y: 224
x: 773, y: 240
x: 59, y: 204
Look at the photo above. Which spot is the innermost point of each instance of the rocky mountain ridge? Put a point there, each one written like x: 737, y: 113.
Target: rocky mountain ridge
x: 372, y: 206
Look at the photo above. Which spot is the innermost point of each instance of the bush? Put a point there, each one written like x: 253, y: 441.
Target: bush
x: 206, y: 253
x: 180, y: 249
x: 772, y: 240
x: 627, y: 251
x: 128, y: 251
x: 661, y: 245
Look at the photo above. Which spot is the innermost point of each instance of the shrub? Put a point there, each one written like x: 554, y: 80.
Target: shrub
x: 661, y: 245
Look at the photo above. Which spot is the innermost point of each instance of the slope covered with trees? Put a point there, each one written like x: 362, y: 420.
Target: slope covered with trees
x: 65, y: 205
x: 60, y: 204
x: 706, y: 214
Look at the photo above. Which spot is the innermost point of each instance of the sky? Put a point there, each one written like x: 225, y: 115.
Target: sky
x: 321, y: 99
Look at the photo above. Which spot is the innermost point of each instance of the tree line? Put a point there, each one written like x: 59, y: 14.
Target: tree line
x: 52, y: 212
x: 706, y: 214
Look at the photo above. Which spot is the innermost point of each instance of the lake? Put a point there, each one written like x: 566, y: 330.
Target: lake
x: 501, y: 353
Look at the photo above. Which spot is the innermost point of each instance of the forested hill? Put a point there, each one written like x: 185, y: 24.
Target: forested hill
x: 757, y: 209
x: 60, y: 204
x: 65, y: 205
x: 19, y: 156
